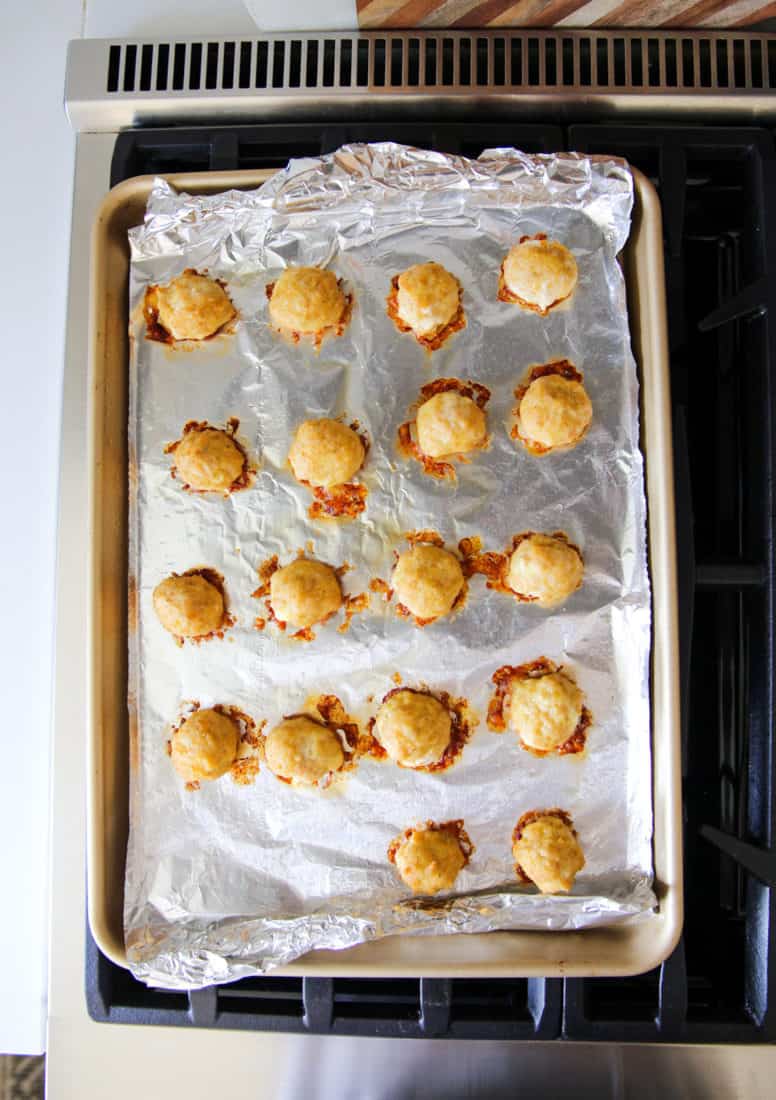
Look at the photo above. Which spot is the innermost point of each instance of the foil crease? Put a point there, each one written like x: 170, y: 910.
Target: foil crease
x: 229, y: 880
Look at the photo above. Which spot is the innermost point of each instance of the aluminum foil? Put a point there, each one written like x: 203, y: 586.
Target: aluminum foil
x: 231, y: 880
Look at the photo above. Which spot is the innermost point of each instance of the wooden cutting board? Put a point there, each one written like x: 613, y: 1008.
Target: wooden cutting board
x: 462, y: 14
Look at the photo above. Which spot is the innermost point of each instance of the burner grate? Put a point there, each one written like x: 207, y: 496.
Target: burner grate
x: 718, y: 191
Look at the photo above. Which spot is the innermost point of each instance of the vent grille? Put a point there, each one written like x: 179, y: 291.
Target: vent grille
x: 403, y: 62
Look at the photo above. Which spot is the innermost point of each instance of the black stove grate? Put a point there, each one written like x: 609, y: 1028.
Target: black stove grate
x: 718, y: 191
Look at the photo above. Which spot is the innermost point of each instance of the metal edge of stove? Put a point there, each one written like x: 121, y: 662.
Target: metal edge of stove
x: 112, y: 84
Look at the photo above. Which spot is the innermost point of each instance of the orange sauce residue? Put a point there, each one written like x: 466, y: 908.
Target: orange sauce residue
x: 381, y: 587
x: 353, y: 605
x: 359, y: 743
x: 429, y: 536
x: 562, y: 367
x: 488, y: 564
x: 266, y: 571
x: 430, y: 343
x: 339, y: 502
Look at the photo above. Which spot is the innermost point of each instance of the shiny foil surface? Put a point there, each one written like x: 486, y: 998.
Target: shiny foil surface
x: 232, y: 880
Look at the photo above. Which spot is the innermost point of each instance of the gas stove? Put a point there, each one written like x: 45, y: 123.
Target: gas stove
x: 695, y: 114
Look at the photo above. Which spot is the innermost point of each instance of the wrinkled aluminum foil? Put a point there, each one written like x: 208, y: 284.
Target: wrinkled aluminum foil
x: 230, y: 880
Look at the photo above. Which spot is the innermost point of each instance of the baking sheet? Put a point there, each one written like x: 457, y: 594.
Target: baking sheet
x: 230, y: 880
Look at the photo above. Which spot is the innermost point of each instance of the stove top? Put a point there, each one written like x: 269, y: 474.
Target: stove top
x: 717, y: 184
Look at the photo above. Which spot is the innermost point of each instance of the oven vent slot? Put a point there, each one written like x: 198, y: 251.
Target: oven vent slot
x: 447, y: 62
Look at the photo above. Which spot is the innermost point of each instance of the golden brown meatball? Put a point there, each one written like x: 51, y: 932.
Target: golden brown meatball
x: 209, y: 460
x: 304, y: 593
x: 540, y: 273
x: 325, y: 453
x: 413, y: 727
x: 428, y: 297
x: 307, y: 300
x: 189, y: 606
x: 548, y: 852
x: 303, y: 750
x: 428, y: 859
x: 204, y: 746
x: 449, y: 423
x: 193, y: 307
x: 554, y: 412
x: 545, y: 710
x: 545, y: 568
x: 427, y: 580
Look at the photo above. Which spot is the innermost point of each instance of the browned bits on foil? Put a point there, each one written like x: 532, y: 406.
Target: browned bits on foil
x: 381, y: 588
x: 503, y: 678
x: 246, y: 767
x: 343, y: 502
x: 354, y: 605
x: 430, y: 343
x: 428, y: 536
x: 359, y: 742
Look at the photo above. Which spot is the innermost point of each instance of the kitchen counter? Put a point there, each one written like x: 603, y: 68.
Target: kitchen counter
x: 88, y: 1060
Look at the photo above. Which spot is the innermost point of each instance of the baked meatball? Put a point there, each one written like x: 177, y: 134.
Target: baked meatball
x: 544, y: 711
x: 209, y: 460
x: 540, y: 274
x: 193, y: 307
x: 304, y: 593
x: 307, y: 300
x: 325, y: 453
x: 449, y: 423
x: 413, y: 727
x: 189, y: 606
x: 303, y: 750
x: 429, y: 859
x: 427, y: 298
x: 554, y: 412
x: 427, y: 580
x: 545, y: 568
x: 548, y: 852
x: 204, y: 746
